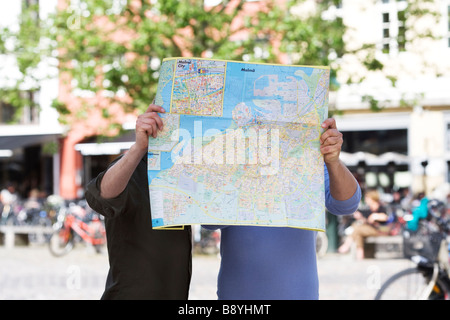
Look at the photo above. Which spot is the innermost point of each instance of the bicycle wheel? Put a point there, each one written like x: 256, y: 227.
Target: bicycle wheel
x: 409, y: 284
x: 61, y: 242
x: 40, y: 221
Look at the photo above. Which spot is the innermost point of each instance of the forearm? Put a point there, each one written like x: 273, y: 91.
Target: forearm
x: 378, y: 217
x: 342, y: 183
x: 116, y: 178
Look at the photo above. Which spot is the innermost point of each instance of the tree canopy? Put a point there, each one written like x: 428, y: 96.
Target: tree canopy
x: 116, y: 46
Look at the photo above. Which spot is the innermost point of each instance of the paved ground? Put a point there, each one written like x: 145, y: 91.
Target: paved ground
x: 33, y: 273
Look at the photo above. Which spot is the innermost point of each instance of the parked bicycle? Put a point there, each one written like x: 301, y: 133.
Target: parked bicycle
x: 33, y: 211
x: 77, y: 223
x: 428, y: 248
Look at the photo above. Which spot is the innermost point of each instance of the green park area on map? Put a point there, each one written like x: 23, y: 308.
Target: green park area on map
x: 240, y: 145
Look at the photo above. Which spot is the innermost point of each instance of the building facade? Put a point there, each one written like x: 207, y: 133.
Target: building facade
x: 406, y: 143
x: 29, y: 157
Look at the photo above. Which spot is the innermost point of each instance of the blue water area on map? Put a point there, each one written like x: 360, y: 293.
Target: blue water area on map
x: 157, y: 222
x: 166, y: 163
x: 192, y: 127
x: 198, y: 126
x: 239, y: 76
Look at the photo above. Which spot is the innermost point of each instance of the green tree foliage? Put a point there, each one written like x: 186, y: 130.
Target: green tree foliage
x: 21, y: 47
x: 116, y: 46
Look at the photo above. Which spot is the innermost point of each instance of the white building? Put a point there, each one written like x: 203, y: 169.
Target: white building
x: 390, y: 146
x: 23, y: 159
x: 411, y: 134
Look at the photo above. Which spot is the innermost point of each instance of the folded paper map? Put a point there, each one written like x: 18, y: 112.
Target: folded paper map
x: 240, y: 145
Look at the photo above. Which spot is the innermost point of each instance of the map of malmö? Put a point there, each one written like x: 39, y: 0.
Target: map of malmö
x: 240, y: 145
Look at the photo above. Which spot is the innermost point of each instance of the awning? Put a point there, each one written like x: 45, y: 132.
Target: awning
x: 352, y: 159
x: 16, y: 142
x: 106, y: 148
x: 110, y: 146
x: 19, y: 136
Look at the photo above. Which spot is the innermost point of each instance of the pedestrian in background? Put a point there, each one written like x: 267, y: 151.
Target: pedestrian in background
x: 368, y: 223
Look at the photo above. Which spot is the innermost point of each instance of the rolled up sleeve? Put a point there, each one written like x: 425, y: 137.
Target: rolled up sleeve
x: 106, y: 207
x: 341, y: 207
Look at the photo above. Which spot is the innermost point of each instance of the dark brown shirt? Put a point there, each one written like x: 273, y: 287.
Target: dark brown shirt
x: 144, y: 263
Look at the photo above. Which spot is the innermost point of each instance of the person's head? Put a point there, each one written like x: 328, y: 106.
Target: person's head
x: 372, y: 199
x: 34, y: 194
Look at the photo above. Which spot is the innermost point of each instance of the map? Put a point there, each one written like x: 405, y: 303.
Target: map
x: 240, y: 145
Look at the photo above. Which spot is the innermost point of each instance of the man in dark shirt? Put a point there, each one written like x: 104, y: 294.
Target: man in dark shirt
x: 144, y: 263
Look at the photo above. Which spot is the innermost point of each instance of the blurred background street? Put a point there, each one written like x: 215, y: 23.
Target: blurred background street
x: 33, y: 273
x: 61, y: 126
x: 76, y: 74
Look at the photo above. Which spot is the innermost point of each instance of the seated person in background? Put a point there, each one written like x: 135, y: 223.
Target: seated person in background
x: 369, y: 223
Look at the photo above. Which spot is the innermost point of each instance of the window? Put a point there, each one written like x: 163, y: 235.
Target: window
x: 27, y: 115
x: 29, y: 3
x: 376, y: 141
x: 401, y: 31
x: 393, y: 21
x: 30, y: 113
x: 34, y: 5
x: 386, y: 38
x: 448, y: 27
x: 6, y: 113
x: 448, y: 137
